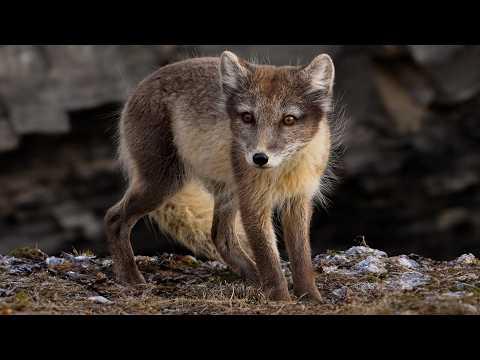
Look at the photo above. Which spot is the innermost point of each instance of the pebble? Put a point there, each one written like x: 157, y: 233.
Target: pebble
x: 100, y: 300
x: 54, y: 261
x: 5, y: 260
x: 406, y: 262
x: 363, y: 250
x: 409, y: 281
x: 107, y: 263
x: 365, y: 287
x: 214, y: 265
x: 340, y: 293
x: 337, y: 259
x: 371, y: 265
x: 329, y: 269
x: 466, y: 259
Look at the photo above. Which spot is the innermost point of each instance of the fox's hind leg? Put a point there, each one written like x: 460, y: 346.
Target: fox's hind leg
x: 225, y: 238
x: 138, y: 201
x: 155, y: 174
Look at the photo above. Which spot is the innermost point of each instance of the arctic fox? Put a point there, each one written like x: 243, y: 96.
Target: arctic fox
x: 211, y: 146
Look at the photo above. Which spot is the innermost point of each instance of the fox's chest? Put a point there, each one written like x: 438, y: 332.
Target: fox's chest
x: 303, y: 174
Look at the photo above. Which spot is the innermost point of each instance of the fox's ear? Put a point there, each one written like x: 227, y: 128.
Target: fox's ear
x: 321, y: 74
x: 233, y: 71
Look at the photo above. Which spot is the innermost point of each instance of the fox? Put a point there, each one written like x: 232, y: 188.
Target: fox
x: 211, y: 147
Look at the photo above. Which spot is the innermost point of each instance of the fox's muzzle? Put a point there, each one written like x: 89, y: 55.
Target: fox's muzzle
x: 260, y: 159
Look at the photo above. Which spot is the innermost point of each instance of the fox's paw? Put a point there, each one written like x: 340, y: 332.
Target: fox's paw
x: 277, y: 294
x: 130, y: 277
x: 310, y: 295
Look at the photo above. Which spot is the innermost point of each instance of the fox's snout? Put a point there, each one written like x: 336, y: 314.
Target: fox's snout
x: 263, y: 159
x: 260, y: 159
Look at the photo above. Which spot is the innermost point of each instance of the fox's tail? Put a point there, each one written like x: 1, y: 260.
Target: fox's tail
x: 187, y: 218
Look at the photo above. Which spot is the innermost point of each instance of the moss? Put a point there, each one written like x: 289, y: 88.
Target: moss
x: 28, y: 253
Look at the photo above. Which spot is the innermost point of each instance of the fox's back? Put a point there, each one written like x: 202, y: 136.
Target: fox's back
x: 188, y: 94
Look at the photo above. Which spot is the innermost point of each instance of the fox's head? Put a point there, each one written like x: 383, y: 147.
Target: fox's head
x: 275, y: 111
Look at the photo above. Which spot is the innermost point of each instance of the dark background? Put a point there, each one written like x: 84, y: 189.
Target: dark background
x: 410, y: 178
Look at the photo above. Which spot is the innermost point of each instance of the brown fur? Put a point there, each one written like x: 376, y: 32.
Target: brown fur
x: 181, y: 134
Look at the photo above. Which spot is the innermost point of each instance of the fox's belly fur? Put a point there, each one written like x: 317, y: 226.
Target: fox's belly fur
x: 206, y: 150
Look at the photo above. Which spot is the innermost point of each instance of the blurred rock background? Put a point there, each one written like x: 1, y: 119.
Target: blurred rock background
x: 410, y: 178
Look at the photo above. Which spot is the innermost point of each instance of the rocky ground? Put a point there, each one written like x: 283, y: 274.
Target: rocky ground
x: 360, y: 280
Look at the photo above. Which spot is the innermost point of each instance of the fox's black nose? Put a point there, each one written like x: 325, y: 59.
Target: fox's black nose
x: 260, y: 159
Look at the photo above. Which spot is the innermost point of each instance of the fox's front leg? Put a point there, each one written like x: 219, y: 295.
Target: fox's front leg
x: 296, y: 217
x: 224, y: 236
x: 257, y: 221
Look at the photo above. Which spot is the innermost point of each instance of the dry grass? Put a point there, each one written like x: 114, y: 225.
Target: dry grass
x: 182, y: 285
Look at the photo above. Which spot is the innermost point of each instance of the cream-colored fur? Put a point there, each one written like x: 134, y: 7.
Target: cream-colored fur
x: 187, y: 216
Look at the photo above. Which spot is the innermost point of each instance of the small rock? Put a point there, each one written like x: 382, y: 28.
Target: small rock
x: 364, y: 250
x: 17, y: 267
x: 409, y: 281
x: 54, y: 261
x: 329, y: 269
x: 340, y: 293
x: 215, y: 265
x: 75, y: 276
x: 5, y: 260
x: 466, y: 259
x: 106, y: 263
x: 371, y: 265
x: 337, y: 259
x: 5, y: 292
x: 365, y: 287
x: 100, y: 300
x: 81, y: 259
x: 406, y: 262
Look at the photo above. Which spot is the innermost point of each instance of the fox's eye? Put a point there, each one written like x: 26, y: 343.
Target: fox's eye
x: 289, y: 120
x: 247, y: 118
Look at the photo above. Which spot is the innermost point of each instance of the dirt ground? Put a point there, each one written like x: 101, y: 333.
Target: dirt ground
x: 359, y: 280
